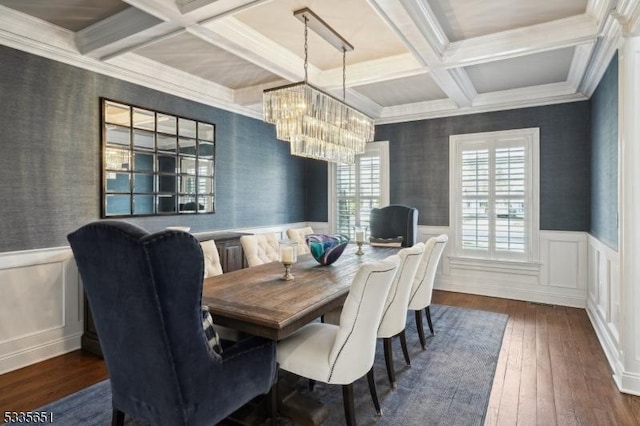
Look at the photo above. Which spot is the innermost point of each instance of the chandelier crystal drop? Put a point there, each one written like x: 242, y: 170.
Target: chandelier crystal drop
x: 316, y: 124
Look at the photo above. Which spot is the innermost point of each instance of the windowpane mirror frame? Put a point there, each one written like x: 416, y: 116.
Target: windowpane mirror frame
x: 154, y: 163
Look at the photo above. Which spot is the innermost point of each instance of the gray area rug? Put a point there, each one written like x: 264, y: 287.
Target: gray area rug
x: 447, y: 384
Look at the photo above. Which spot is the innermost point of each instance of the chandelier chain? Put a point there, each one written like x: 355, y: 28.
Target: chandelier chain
x: 344, y: 74
x: 306, y: 49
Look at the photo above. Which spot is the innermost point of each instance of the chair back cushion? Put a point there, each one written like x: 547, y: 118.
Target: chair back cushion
x: 298, y: 235
x: 394, y: 316
x: 422, y: 287
x: 354, y: 346
x: 394, y: 221
x: 260, y: 248
x: 212, y: 266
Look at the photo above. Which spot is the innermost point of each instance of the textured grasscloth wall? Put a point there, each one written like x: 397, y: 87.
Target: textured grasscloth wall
x: 419, y: 159
x: 50, y: 156
x: 604, y: 158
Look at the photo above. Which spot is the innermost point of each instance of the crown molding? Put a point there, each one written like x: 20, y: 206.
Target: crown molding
x: 579, y: 64
x: 629, y: 10
x: 599, y: 10
x: 547, y: 94
x: 610, y: 40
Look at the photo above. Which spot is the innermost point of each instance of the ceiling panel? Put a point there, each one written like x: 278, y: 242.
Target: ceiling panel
x: 462, y: 19
x: 408, y: 90
x: 195, y: 56
x: 524, y: 71
x: 73, y: 15
x: 354, y: 20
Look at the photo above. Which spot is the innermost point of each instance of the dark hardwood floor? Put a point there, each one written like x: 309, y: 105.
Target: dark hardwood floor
x: 551, y: 370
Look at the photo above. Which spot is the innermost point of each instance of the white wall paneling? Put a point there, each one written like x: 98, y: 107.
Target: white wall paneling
x: 41, y: 313
x: 603, y: 299
x: 560, y: 278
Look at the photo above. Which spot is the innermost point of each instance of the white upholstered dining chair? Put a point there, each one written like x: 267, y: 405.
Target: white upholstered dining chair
x: 341, y: 354
x: 212, y: 266
x: 394, y: 317
x: 422, y: 288
x: 260, y: 248
x: 298, y: 235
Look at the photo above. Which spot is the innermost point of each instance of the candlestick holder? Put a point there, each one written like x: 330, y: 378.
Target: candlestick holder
x: 288, y: 276
x: 288, y: 256
x: 360, y: 234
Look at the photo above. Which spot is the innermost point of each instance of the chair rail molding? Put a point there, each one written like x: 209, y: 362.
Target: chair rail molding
x: 42, y: 307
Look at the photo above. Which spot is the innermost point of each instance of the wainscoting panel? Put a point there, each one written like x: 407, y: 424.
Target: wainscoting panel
x: 41, y: 315
x: 559, y: 278
x: 603, y: 299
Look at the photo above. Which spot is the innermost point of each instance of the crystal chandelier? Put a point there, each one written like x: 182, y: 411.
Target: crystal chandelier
x: 316, y: 124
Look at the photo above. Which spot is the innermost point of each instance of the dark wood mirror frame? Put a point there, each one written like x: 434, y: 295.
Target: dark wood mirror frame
x: 155, y: 163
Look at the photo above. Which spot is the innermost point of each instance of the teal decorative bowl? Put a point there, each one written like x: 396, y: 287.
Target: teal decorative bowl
x: 326, y: 249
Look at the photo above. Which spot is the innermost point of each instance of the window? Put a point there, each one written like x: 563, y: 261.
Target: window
x: 359, y: 187
x: 494, y: 194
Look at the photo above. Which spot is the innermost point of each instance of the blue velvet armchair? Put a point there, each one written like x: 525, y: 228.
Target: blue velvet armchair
x: 394, y: 224
x: 145, y: 292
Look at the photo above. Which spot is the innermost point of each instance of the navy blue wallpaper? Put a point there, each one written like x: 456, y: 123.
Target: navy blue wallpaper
x: 50, y: 161
x: 604, y: 160
x: 419, y: 161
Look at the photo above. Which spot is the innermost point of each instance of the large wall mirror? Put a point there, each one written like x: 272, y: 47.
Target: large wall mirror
x: 155, y: 163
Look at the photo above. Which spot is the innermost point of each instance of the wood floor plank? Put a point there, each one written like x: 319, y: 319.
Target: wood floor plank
x: 545, y: 401
x: 528, y: 378
x: 508, y: 410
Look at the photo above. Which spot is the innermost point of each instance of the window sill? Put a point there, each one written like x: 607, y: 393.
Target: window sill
x: 494, y: 265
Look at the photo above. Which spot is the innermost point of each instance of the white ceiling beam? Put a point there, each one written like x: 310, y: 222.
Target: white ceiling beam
x: 117, y: 35
x: 599, y: 10
x: 121, y: 32
x: 412, y: 21
x: 373, y: 71
x: 521, y: 41
x: 629, y: 12
x: 417, y: 110
x: 243, y: 41
x: 214, y: 9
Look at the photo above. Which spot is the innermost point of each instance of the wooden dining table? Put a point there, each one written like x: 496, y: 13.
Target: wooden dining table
x: 257, y: 301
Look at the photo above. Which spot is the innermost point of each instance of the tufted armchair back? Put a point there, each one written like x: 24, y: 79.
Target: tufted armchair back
x: 422, y: 287
x: 212, y: 266
x: 393, y: 221
x: 145, y: 292
x: 260, y: 248
x: 298, y: 235
x: 354, y: 347
x: 394, y: 317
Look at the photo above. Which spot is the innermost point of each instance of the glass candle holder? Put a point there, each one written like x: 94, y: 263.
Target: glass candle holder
x: 288, y: 256
x: 360, y: 233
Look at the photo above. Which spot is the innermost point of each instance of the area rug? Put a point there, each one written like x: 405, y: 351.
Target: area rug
x: 447, y: 384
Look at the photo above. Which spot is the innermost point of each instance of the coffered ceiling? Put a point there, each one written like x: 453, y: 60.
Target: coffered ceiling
x: 412, y: 59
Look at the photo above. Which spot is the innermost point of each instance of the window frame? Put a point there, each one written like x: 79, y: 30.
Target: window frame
x: 381, y: 148
x: 530, y: 139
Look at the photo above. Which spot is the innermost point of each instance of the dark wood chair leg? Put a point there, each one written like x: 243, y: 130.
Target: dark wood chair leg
x: 420, y: 326
x: 428, y: 311
x: 405, y: 351
x: 272, y: 404
x: 347, y: 399
x: 374, y: 392
x: 388, y: 359
x: 312, y: 384
x: 322, y: 318
x: 117, y: 418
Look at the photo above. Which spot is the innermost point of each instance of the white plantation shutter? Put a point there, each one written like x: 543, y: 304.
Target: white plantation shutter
x: 359, y: 188
x: 494, y: 193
